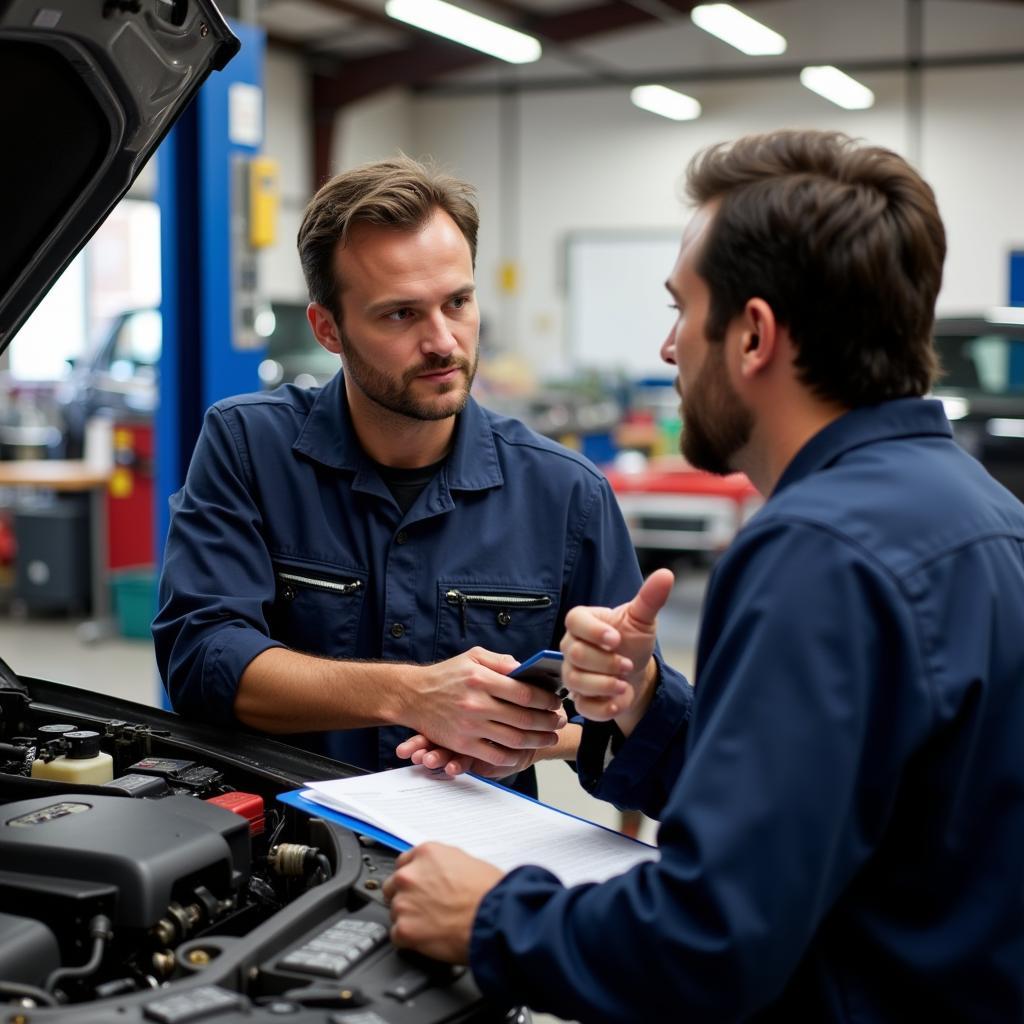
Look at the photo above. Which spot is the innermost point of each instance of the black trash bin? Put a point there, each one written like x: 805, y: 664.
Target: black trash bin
x: 52, y: 570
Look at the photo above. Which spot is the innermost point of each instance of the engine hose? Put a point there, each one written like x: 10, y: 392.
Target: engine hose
x: 99, y: 929
x: 14, y: 990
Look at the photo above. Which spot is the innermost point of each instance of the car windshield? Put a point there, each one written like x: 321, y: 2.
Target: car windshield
x: 988, y: 364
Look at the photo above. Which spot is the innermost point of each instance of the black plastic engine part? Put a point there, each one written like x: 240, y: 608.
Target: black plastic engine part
x: 146, y: 848
x: 28, y: 950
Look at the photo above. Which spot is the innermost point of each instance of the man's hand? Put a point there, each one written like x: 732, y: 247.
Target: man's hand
x: 468, y: 705
x: 421, y: 750
x: 434, y: 893
x: 608, y: 667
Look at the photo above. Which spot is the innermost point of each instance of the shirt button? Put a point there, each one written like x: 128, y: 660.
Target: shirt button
x: 401, y: 537
x: 398, y: 630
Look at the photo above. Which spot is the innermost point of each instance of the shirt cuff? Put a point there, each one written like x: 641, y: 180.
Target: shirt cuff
x: 226, y: 659
x: 612, y: 766
x: 502, y: 929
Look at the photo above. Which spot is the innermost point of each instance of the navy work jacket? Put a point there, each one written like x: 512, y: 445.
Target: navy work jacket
x: 285, y: 535
x: 842, y: 822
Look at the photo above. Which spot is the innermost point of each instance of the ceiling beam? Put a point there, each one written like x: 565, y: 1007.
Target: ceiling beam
x: 730, y: 74
x: 427, y: 57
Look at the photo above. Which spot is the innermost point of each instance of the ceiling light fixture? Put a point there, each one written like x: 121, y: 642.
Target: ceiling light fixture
x: 1006, y: 315
x: 738, y: 29
x: 837, y: 86
x: 1005, y: 427
x: 667, y: 102
x: 468, y: 29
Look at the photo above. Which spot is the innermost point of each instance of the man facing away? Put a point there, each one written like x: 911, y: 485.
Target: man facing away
x: 842, y: 814
x: 358, y: 567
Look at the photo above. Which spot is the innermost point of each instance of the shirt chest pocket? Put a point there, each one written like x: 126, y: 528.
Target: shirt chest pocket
x: 504, y: 619
x: 317, y: 608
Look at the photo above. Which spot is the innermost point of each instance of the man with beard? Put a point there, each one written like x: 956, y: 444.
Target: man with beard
x: 842, y: 806
x: 358, y: 567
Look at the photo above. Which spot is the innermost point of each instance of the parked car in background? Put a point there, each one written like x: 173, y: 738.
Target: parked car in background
x: 293, y: 354
x: 674, y: 511
x: 118, y: 376
x: 982, y: 389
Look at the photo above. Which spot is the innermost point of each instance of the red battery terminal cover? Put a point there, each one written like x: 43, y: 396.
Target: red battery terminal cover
x: 247, y: 805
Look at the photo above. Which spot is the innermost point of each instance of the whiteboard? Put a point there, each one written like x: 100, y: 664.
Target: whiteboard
x: 617, y: 307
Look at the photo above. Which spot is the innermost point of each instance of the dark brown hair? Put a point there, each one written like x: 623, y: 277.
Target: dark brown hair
x: 401, y: 193
x: 844, y: 242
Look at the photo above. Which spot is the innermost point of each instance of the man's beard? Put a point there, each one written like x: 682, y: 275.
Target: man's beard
x: 716, y: 423
x: 396, y: 396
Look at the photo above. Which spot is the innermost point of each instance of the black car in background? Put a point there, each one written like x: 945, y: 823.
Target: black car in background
x: 982, y: 389
x: 118, y: 376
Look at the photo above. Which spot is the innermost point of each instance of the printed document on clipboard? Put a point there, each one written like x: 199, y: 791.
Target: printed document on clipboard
x: 414, y: 805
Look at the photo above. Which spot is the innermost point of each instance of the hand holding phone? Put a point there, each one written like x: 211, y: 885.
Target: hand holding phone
x: 543, y: 669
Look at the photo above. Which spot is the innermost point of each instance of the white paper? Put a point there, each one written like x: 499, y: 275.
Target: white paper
x: 497, y: 825
x: 245, y: 114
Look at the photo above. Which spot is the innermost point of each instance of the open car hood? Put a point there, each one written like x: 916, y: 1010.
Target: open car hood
x: 88, y: 88
x: 168, y: 857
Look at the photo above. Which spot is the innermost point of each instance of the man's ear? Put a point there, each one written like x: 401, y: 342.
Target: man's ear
x: 325, y: 327
x: 758, y: 338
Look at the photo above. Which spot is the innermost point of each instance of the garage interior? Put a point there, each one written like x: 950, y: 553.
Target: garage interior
x: 580, y: 221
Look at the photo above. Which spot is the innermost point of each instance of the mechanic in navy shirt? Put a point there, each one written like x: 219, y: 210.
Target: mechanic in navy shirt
x: 358, y: 567
x: 842, y: 814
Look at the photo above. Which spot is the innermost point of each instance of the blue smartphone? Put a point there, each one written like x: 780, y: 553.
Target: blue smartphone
x: 543, y: 669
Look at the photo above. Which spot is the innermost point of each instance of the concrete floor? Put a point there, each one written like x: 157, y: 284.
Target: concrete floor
x: 52, y: 649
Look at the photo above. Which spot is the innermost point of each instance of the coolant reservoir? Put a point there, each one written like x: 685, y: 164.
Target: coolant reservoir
x: 82, y: 762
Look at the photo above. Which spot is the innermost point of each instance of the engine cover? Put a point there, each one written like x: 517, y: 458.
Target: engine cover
x: 151, y: 850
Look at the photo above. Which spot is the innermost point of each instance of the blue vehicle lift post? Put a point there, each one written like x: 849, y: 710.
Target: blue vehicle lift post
x: 200, y: 361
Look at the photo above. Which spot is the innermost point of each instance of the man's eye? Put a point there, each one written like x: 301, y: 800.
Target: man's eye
x: 460, y: 302
x: 399, y: 314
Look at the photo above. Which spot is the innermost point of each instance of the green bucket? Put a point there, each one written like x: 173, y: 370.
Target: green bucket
x: 134, y: 601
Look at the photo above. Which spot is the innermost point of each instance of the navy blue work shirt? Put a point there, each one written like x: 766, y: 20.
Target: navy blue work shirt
x: 285, y: 535
x: 842, y: 818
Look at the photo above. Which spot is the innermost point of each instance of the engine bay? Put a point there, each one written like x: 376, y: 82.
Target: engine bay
x: 148, y: 873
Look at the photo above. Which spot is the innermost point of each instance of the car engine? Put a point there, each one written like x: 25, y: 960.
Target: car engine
x: 180, y: 889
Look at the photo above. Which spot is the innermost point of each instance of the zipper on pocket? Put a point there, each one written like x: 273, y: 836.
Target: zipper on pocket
x: 503, y: 602
x: 292, y: 580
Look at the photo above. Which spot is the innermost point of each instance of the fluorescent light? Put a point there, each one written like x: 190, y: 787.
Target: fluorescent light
x: 1006, y: 315
x: 956, y: 408
x: 738, y: 29
x: 469, y: 29
x: 1005, y: 427
x: 837, y: 86
x: 667, y: 102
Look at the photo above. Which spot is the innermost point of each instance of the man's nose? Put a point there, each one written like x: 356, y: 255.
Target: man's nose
x: 437, y: 336
x: 668, y: 349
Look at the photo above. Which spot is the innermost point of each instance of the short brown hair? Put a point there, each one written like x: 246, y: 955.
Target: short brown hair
x: 399, y: 193
x: 844, y: 242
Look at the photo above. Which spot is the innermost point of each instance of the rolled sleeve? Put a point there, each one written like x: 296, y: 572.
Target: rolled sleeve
x: 228, y: 654
x: 217, y: 580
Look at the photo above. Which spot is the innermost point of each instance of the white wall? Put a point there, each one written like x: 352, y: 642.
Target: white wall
x: 588, y: 159
x: 973, y: 156
x: 372, y: 129
x: 289, y: 140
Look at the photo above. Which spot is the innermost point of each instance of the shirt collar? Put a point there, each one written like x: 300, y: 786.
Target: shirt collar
x: 902, y: 417
x: 329, y: 437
